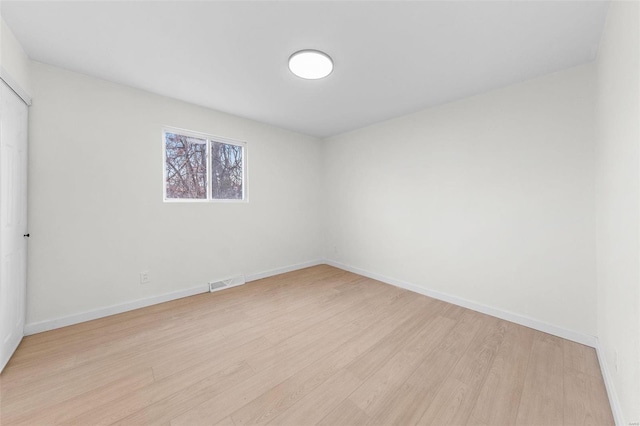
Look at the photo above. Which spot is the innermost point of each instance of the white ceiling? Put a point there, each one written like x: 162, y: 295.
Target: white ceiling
x: 391, y: 58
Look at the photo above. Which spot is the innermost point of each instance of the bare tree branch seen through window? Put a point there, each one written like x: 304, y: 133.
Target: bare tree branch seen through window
x: 186, y: 162
x: 187, y: 168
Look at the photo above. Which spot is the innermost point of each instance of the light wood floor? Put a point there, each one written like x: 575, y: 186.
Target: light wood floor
x: 315, y: 346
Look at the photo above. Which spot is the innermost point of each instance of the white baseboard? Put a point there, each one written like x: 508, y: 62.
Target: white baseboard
x: 277, y: 271
x: 39, y: 327
x: 533, y: 323
x: 614, y: 402
x: 52, y: 324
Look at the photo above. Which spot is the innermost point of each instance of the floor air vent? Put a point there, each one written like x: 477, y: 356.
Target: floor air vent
x: 228, y: 283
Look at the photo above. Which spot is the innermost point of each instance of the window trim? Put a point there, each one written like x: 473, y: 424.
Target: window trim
x: 208, y: 139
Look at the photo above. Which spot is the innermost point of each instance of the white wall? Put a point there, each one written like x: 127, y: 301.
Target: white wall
x: 618, y: 204
x: 490, y: 199
x: 95, y: 204
x: 13, y: 58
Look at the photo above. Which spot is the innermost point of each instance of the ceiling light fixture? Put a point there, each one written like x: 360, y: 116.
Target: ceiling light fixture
x: 310, y: 64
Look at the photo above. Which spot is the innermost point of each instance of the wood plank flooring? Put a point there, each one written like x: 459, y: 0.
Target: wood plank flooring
x: 318, y: 346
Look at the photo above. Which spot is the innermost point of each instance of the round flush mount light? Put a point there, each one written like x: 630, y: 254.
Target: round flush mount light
x: 310, y: 64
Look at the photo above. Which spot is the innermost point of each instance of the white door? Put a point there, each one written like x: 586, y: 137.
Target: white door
x: 13, y: 220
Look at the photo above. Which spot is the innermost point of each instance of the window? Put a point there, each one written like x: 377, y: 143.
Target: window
x: 198, y: 167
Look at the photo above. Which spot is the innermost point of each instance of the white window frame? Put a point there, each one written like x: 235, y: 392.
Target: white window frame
x: 208, y: 139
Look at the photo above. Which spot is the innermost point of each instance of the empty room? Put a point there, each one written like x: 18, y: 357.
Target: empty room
x: 325, y: 213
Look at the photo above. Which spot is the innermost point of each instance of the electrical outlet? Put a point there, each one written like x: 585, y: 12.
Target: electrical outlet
x: 144, y: 277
